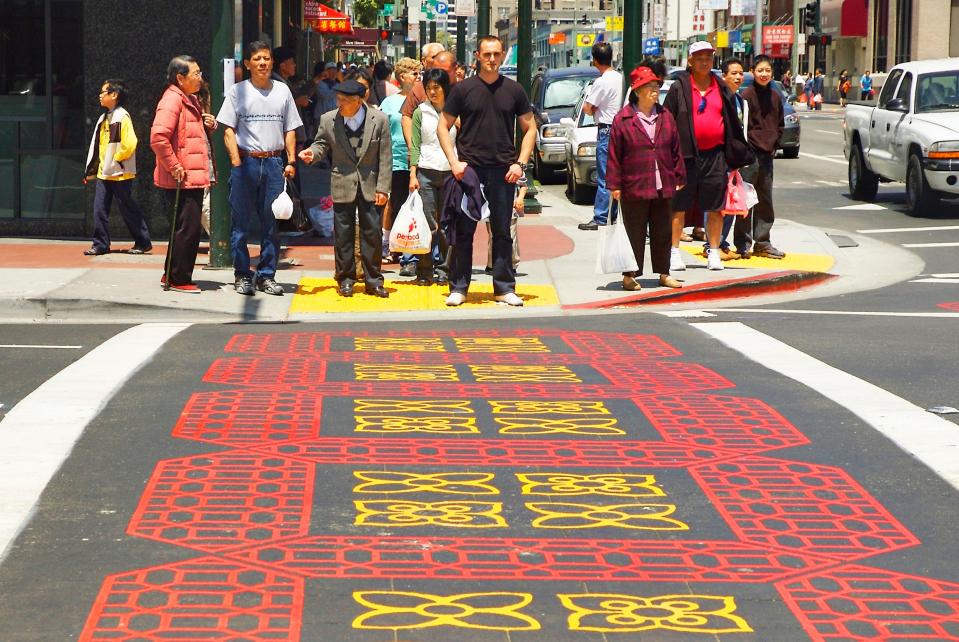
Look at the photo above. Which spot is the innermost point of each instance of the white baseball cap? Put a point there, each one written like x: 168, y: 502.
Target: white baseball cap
x: 700, y: 45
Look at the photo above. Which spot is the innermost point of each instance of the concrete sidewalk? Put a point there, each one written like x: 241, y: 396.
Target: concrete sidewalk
x: 52, y: 280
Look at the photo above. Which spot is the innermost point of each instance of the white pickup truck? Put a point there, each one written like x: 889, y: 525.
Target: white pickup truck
x: 910, y: 135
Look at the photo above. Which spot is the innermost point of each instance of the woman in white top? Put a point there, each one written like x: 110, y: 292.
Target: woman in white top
x: 429, y: 169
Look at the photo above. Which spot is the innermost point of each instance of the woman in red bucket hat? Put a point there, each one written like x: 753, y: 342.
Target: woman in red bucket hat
x: 645, y: 169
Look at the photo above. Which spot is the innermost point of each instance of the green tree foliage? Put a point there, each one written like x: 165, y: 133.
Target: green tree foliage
x: 365, y: 12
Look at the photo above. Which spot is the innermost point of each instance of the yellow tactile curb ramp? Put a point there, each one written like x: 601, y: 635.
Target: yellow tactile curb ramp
x: 792, y: 260
x: 315, y: 296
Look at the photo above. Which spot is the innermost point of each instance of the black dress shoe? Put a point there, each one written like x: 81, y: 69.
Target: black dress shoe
x: 424, y: 281
x: 589, y: 226
x: 345, y: 289
x: 379, y: 291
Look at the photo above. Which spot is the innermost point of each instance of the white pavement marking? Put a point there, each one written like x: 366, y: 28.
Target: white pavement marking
x: 37, y: 435
x: 846, y: 313
x: 829, y: 131
x: 832, y: 183
x: 956, y: 244
x: 822, y: 158
x: 686, y: 314
x: 930, y: 439
x: 935, y: 280
x: 896, y: 230
x: 946, y: 275
x: 864, y: 207
x: 39, y: 347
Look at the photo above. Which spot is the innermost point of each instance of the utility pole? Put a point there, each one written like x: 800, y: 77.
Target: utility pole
x: 482, y: 19
x: 758, y: 33
x: 632, y: 38
x: 461, y: 39
x: 524, y: 75
x: 222, y: 47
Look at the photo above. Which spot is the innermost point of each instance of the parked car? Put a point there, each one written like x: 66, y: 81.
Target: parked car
x: 554, y: 94
x: 789, y: 141
x: 910, y: 134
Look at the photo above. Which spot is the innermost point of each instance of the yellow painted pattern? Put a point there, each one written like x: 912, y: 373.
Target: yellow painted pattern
x: 643, y: 517
x: 393, y: 483
x: 425, y: 406
x: 568, y: 426
x: 398, y: 344
x: 611, y: 485
x: 455, y: 514
x: 535, y: 374
x: 500, y: 344
x: 377, y: 423
x: 792, y: 261
x: 396, y: 610
x: 522, y: 407
x: 318, y: 296
x: 403, y: 372
x: 615, y: 613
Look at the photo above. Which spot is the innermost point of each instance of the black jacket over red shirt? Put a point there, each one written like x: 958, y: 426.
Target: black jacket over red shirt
x: 737, y: 151
x: 766, y: 122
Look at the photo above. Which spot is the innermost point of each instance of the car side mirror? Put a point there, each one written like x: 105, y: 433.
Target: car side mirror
x: 897, y: 104
x: 566, y: 121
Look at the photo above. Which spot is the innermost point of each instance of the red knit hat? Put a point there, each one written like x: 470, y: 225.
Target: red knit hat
x: 641, y: 76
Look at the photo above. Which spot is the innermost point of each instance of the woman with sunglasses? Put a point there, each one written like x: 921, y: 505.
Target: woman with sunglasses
x: 645, y: 169
x: 183, y: 164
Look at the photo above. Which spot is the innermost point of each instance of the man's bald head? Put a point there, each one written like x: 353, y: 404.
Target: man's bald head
x: 430, y: 50
x: 446, y: 60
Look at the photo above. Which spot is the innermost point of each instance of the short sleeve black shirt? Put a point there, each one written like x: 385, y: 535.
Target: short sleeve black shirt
x: 487, y: 114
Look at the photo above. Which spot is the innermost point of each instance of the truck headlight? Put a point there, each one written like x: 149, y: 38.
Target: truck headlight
x: 944, y: 149
x: 586, y: 149
x: 553, y: 131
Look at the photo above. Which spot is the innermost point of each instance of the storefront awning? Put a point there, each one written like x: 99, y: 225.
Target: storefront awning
x: 325, y: 19
x: 845, y: 18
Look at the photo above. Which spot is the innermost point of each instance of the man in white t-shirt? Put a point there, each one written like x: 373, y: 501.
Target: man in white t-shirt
x: 603, y: 102
x: 260, y: 119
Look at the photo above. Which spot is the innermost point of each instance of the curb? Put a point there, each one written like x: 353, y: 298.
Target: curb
x: 774, y: 282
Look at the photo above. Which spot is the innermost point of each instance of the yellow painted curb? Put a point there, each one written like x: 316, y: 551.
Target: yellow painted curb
x: 314, y: 296
x: 792, y: 260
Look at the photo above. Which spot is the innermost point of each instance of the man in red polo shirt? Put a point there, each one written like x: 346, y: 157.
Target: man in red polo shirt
x: 712, y: 143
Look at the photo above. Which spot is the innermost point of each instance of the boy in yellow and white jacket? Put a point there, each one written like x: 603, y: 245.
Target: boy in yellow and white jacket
x: 111, y: 160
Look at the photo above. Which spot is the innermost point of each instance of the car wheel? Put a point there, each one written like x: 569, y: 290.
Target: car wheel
x: 863, y: 184
x: 920, y: 198
x: 570, y: 187
x: 791, y: 152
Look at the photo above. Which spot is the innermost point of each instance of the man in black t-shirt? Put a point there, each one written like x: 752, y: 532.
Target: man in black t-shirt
x: 487, y: 106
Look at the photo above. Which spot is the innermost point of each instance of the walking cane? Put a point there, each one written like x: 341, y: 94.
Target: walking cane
x: 169, y: 247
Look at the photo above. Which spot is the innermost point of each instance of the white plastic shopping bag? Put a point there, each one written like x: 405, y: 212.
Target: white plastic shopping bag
x: 411, y: 232
x: 283, y: 205
x: 752, y: 198
x: 615, y: 252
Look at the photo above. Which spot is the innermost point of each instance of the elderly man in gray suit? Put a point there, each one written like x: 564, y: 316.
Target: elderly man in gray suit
x: 357, y: 139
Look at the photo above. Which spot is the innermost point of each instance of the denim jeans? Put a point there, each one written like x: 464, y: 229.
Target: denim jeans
x: 601, y: 205
x: 254, y: 185
x: 129, y: 210
x: 431, y: 191
x: 499, y: 195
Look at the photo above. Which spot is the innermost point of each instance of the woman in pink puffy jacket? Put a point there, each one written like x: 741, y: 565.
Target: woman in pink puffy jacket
x: 179, y: 140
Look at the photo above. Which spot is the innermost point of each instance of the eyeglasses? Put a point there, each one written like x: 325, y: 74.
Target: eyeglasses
x: 702, y: 105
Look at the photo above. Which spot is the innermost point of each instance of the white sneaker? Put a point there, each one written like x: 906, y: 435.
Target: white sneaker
x: 714, y: 261
x: 676, y: 263
x: 455, y: 298
x: 510, y: 299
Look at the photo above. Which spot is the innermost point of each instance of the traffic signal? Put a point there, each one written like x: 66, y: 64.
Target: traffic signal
x: 811, y: 19
x: 384, y: 34
x: 398, y: 25
x: 824, y: 39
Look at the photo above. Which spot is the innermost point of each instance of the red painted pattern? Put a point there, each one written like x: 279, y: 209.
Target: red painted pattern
x: 733, y: 423
x: 224, y: 500
x: 862, y: 603
x: 530, y: 559
x: 495, y: 452
x: 800, y: 506
x: 203, y: 599
x: 952, y: 306
x: 249, y: 417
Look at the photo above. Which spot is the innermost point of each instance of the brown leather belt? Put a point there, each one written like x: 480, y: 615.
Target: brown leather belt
x: 244, y: 153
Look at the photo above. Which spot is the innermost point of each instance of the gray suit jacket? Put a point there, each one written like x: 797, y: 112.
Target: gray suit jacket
x: 369, y: 173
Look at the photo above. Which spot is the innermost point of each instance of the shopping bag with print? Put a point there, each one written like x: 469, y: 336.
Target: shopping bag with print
x: 736, y: 196
x: 411, y: 232
x: 615, y: 251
